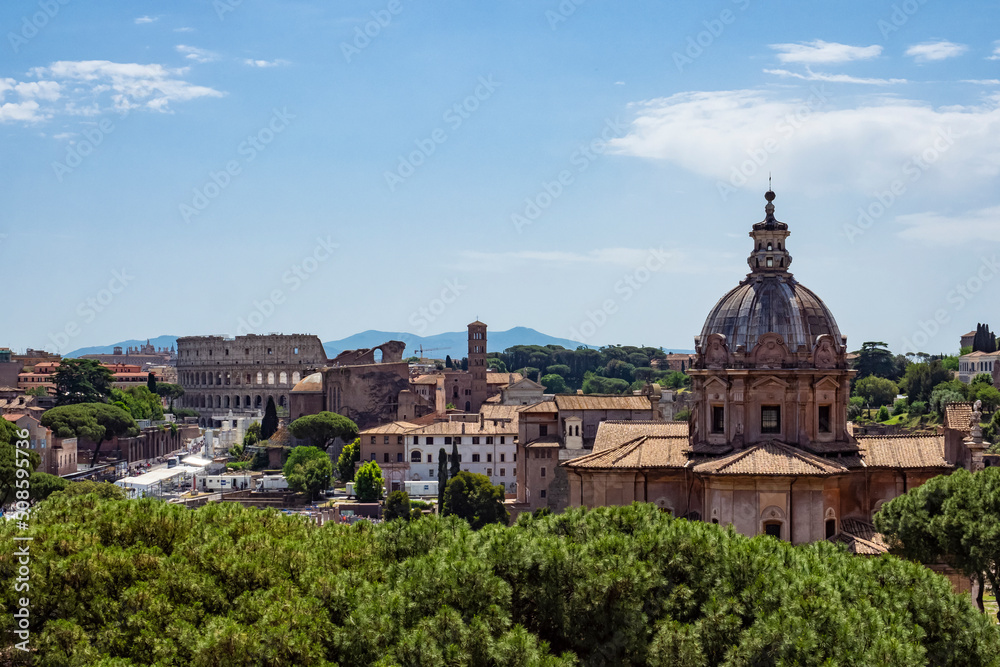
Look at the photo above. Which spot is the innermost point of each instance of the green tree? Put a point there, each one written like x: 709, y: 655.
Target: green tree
x: 918, y: 408
x: 368, y: 482
x: 595, y: 384
x: 496, y: 364
x: 473, y: 497
x: 102, y: 490
x: 942, y: 396
x: 951, y: 363
x: 554, y: 384
x: 442, y: 477
x: 876, y: 391
x: 874, y: 358
x: 308, y: 469
x: 883, y: 414
x: 447, y: 361
x: 350, y: 455
x: 138, y: 402
x: 921, y: 379
x: 269, y: 424
x: 170, y: 392
x: 323, y: 428
x: 682, y: 416
x: 982, y: 378
x: 11, y: 463
x: 96, y: 422
x: 82, y: 381
x: 252, y: 435
x: 151, y: 383
x: 951, y: 517
x: 456, y: 461
x: 989, y: 395
x: 37, y: 391
x: 397, y: 506
x: 44, y: 485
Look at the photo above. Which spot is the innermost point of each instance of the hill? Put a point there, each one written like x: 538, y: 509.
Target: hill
x: 159, y: 341
x: 454, y: 344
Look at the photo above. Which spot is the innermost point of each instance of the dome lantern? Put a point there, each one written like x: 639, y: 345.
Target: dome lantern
x: 769, y: 254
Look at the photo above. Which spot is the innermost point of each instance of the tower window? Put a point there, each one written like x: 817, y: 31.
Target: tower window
x: 831, y: 528
x: 718, y: 419
x: 773, y: 528
x: 770, y: 419
x: 770, y: 262
x: 770, y: 247
x: 824, y: 419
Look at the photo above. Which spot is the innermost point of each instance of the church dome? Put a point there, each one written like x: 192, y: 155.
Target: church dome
x: 312, y: 382
x: 769, y: 299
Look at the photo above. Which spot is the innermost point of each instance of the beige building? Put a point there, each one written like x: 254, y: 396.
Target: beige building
x: 972, y: 364
x: 768, y: 448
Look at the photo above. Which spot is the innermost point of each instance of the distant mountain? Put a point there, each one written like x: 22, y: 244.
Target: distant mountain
x: 159, y: 341
x: 454, y: 344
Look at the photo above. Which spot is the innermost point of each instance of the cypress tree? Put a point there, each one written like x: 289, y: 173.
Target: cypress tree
x: 442, y: 477
x: 151, y: 383
x: 269, y: 424
x: 455, y: 465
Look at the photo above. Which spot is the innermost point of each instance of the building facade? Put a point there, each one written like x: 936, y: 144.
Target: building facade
x: 220, y: 374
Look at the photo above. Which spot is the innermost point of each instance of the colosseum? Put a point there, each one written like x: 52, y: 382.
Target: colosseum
x: 220, y: 374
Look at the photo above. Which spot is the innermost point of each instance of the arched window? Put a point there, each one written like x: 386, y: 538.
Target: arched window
x: 225, y: 403
x: 260, y: 378
x: 296, y: 378
x: 218, y: 401
x: 283, y: 378
x: 415, y: 456
x: 246, y: 401
x: 248, y: 379
x: 270, y: 377
x: 282, y: 401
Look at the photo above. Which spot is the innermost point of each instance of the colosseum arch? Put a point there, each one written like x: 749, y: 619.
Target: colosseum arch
x: 270, y: 377
x: 283, y: 378
x: 225, y: 402
x: 218, y: 401
x: 260, y: 378
x: 204, y: 378
x: 283, y: 401
x: 296, y: 377
x: 246, y: 401
x: 258, y: 402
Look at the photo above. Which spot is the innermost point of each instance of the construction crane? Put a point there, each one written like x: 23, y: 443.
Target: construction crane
x: 430, y: 349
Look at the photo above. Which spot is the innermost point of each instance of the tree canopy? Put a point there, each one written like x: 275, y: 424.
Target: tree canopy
x: 145, y: 582
x: 955, y: 518
x: 96, y: 422
x: 82, y: 381
x: 9, y: 435
x: 474, y: 498
x: 368, y: 482
x: 139, y: 402
x: 920, y: 380
x: 308, y: 469
x: 397, y: 506
x: 876, y: 391
x: 323, y: 428
x: 349, y: 455
x: 269, y: 424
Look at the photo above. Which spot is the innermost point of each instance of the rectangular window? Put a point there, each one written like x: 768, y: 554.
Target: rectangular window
x: 489, y: 440
x: 503, y: 458
x: 489, y: 472
x: 543, y: 430
x: 399, y: 439
x: 770, y: 419
x: 718, y: 419
x: 373, y: 439
x: 373, y: 456
x: 399, y: 457
x: 385, y: 457
x: 385, y: 440
x: 430, y: 440
x: 502, y: 440
x: 475, y: 458
x: 543, y: 472
x: 475, y: 440
x: 503, y: 472
x: 489, y: 458
x: 824, y: 419
x: 447, y: 440
x: 541, y: 494
x: 429, y: 459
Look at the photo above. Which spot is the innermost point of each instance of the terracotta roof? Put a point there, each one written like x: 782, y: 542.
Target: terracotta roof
x: 958, y: 416
x: 311, y: 382
x: 860, y: 538
x: 771, y: 458
x: 546, y: 441
x: 503, y: 378
x: 612, y: 433
x: 641, y: 453
x: 470, y: 428
x: 490, y: 411
x: 541, y: 406
x: 392, y: 428
x: 13, y: 417
x: 602, y: 402
x: 909, y: 451
x: 425, y: 379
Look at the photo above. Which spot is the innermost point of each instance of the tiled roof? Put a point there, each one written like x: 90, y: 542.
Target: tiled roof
x: 470, y: 428
x: 425, y: 379
x: 602, y: 402
x: 860, y: 538
x: 771, y: 458
x: 541, y: 406
x: 503, y: 378
x: 490, y: 411
x: 831, y: 447
x: 546, y: 442
x: 612, y: 433
x: 910, y: 451
x: 958, y: 416
x: 13, y: 417
x: 392, y: 428
x: 642, y: 453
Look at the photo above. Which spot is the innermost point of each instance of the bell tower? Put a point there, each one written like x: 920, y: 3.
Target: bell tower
x: 477, y: 365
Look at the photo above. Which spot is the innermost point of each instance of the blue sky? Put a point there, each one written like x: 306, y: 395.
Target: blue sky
x: 590, y: 169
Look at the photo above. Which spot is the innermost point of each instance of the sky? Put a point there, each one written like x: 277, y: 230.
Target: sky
x: 587, y: 168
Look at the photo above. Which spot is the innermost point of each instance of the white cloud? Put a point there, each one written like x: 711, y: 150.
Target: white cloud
x: 982, y: 82
x: 832, y: 78
x: 196, y: 54
x: 996, y: 51
x: 936, y: 229
x: 932, y: 51
x: 818, y: 51
x: 264, y: 63
x: 184, y: 29
x: 129, y: 85
x: 813, y: 145
x: 64, y: 135
x: 146, y: 19
x: 27, y: 107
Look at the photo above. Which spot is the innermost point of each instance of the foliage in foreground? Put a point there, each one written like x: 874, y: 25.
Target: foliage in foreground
x: 145, y: 582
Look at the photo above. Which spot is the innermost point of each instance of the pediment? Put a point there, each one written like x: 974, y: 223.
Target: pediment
x: 827, y: 382
x: 716, y: 380
x: 770, y: 381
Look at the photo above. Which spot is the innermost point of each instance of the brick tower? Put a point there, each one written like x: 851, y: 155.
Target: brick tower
x: 477, y: 365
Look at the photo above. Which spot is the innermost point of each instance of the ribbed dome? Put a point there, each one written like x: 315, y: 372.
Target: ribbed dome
x: 312, y: 382
x: 771, y: 304
x: 770, y: 300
